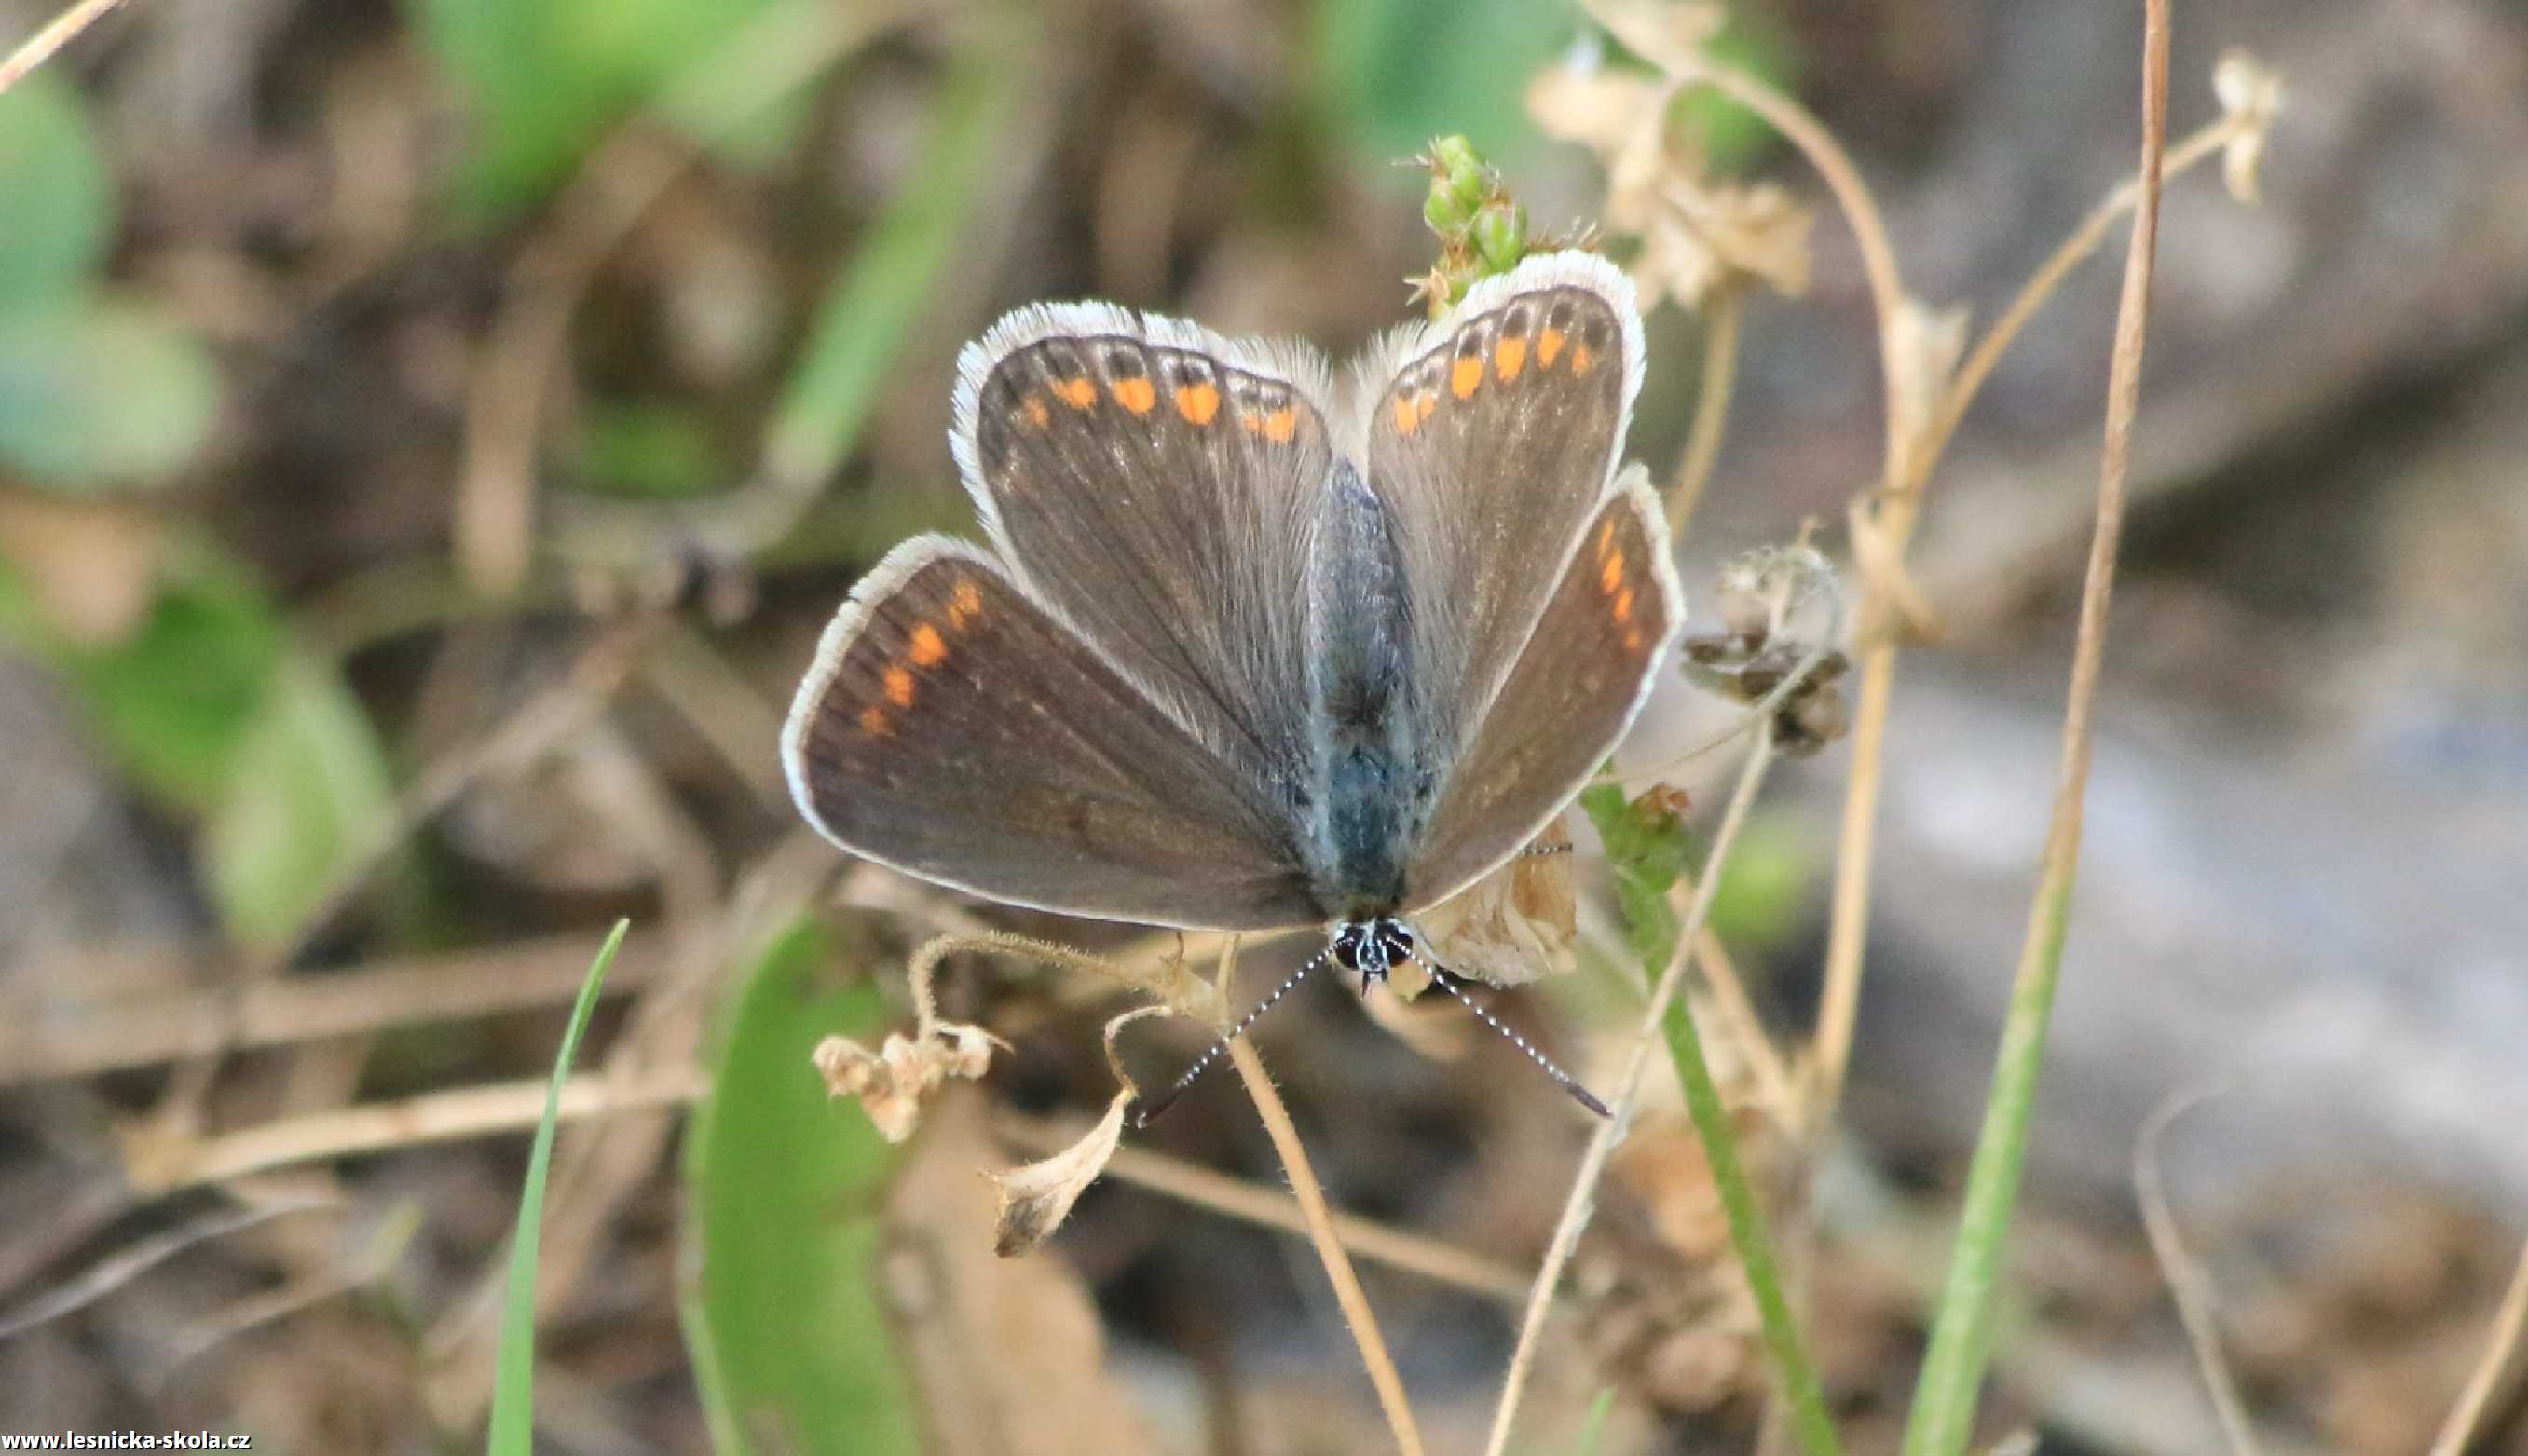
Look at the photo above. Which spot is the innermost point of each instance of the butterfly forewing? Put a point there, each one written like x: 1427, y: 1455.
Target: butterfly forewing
x: 957, y: 731
x: 1586, y: 670
x: 1494, y: 434
x: 1155, y: 483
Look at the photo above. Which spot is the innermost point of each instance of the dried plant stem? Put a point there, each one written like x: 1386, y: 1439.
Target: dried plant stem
x: 2187, y: 1281
x: 1795, y: 1374
x: 2040, y: 287
x: 1330, y: 1249
x: 1720, y: 319
x: 60, y: 31
x: 1900, y: 509
x: 377, y: 1127
x: 1943, y: 1413
x: 2459, y: 1431
x: 1582, y: 1200
x: 1801, y: 127
x: 38, y: 1042
x: 1236, y: 1198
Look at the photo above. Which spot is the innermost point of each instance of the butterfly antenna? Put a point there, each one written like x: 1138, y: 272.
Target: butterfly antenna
x: 1449, y: 981
x: 1144, y: 1117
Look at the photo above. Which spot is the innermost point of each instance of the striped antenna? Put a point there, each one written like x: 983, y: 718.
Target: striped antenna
x: 1449, y: 981
x: 1144, y: 1117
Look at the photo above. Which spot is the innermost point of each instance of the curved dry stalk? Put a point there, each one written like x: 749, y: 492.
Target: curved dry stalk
x: 1330, y: 1249
x: 1582, y: 1201
x: 1847, y: 915
x: 1720, y: 319
x: 57, y: 32
x: 1953, y: 1368
x: 2187, y: 1281
x: 2459, y: 1431
x: 1801, y: 127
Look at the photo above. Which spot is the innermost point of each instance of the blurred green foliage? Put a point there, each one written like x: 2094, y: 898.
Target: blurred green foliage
x: 1398, y: 72
x: 783, y: 1190
x: 95, y: 393
x: 646, y: 450
x: 546, y: 79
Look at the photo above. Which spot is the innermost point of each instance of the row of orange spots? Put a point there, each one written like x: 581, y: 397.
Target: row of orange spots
x: 1199, y: 403
x: 925, y: 646
x: 1611, y: 584
x: 1508, y: 356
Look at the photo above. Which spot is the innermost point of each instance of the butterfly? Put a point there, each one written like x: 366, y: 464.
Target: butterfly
x: 1249, y: 649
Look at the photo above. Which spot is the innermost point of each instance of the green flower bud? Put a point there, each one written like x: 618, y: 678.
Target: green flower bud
x: 1500, y: 234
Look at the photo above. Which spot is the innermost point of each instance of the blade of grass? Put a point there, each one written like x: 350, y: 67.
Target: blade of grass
x: 1945, y: 1401
x: 852, y: 344
x: 513, y: 1382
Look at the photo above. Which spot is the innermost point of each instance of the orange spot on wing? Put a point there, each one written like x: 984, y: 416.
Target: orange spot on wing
x: 1611, y: 574
x: 1633, y: 640
x: 873, y: 721
x: 1624, y: 605
x: 1078, y: 394
x: 1463, y: 376
x: 1509, y: 357
x: 1038, y: 413
x: 965, y: 604
x: 928, y: 648
x: 1405, y: 418
x: 1281, y: 425
x: 1423, y: 410
x: 1136, y: 395
x: 1549, y: 344
x: 1607, y: 537
x: 1198, y: 402
x: 898, y: 686
x: 1581, y: 359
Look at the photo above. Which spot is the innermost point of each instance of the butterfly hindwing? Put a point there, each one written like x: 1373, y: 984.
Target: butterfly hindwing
x: 956, y: 730
x: 1585, y: 672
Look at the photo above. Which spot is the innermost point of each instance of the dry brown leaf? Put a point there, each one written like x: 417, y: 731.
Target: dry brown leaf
x: 892, y: 1082
x: 2252, y: 94
x: 1599, y: 109
x: 1036, y: 1198
x: 1516, y: 924
x: 1008, y: 1357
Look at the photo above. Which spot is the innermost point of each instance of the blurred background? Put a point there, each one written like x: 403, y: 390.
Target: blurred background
x: 432, y: 436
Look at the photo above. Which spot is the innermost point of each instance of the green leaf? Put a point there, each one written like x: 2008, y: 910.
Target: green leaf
x: 307, y: 792
x: 174, y: 700
x: 546, y: 79
x: 60, y: 202
x: 513, y: 1375
x: 1399, y: 73
x: 783, y: 1190
x: 102, y: 394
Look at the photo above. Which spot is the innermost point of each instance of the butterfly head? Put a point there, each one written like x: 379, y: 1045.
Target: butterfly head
x: 1372, y: 948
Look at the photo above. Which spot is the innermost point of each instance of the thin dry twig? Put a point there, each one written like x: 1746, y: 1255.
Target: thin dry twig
x: 1893, y: 528
x: 1720, y: 319
x: 40, y: 1042
x: 1328, y: 1245
x: 60, y: 31
x: 2459, y: 1432
x: 1582, y: 1201
x: 122, y: 1267
x: 1237, y: 1198
x: 1954, y: 1365
x: 382, y: 1126
x: 2187, y: 1281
